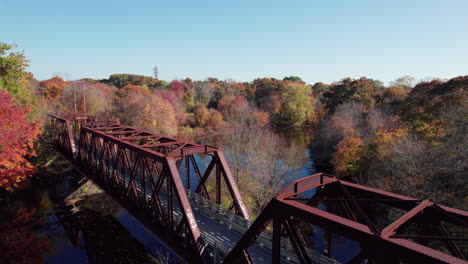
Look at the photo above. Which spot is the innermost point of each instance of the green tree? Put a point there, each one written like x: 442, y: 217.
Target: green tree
x: 297, y: 105
x: 293, y: 79
x: 13, y: 75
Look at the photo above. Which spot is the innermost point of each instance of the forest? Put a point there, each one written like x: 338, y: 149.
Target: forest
x: 407, y: 137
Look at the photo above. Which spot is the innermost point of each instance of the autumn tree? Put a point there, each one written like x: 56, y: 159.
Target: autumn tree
x: 363, y: 91
x: 319, y: 88
x: 264, y: 87
x: 147, y: 112
x: 423, y: 107
x: 176, y: 87
x: 209, y: 118
x: 131, y: 88
x: 53, y: 87
x: 17, y: 139
x: 177, y: 103
x: 258, y: 158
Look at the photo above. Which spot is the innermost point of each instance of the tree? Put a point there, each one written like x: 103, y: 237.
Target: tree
x: 147, y: 112
x: 297, y: 106
x: 294, y: 79
x: 362, y: 91
x: 319, y: 88
x: 120, y: 80
x: 406, y: 82
x: 203, y: 92
x: 17, y: 139
x: 348, y: 155
x: 258, y: 158
x: 176, y: 87
x: 53, y: 87
x: 264, y: 87
x: 209, y: 118
x: 422, y: 109
x: 13, y: 76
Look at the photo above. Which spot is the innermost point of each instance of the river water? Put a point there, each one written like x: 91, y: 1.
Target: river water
x: 98, y: 230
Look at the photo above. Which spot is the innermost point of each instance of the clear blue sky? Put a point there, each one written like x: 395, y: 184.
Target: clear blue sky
x: 316, y: 40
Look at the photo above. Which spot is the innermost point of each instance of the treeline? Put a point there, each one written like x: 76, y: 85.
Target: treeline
x: 182, y: 104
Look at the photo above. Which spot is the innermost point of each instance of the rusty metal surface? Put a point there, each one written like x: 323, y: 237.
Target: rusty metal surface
x: 385, y: 244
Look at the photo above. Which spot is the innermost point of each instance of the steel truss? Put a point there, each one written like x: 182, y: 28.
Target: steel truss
x: 140, y: 170
x: 347, y: 213
x: 67, y: 130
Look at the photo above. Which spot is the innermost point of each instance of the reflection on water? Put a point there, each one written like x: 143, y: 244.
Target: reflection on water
x: 42, y: 227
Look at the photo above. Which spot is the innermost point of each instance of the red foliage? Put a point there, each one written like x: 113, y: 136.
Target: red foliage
x: 176, y: 102
x: 19, y: 242
x: 176, y: 87
x: 17, y: 138
x: 231, y: 103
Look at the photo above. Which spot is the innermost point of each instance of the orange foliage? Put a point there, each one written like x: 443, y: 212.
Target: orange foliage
x: 135, y: 89
x: 209, y: 118
x: 263, y: 118
x: 17, y: 138
x: 347, y: 156
x: 53, y: 87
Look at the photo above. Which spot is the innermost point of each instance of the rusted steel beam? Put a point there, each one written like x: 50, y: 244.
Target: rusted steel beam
x: 157, y: 145
x: 430, y: 237
x: 231, y: 184
x: 134, y: 147
x: 362, y: 233
x: 390, y: 229
x: 306, y: 183
x: 186, y: 208
x: 289, y: 204
x: 192, y: 150
x: 239, y: 252
x: 276, y: 241
x: 135, y: 138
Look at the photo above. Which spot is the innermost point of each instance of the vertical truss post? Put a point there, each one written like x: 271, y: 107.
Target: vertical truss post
x: 218, y: 184
x: 276, y: 247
